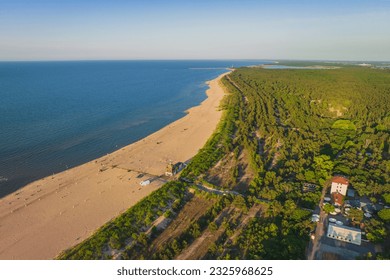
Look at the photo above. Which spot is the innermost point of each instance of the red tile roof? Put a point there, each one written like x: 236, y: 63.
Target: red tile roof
x: 337, y: 198
x: 340, y: 180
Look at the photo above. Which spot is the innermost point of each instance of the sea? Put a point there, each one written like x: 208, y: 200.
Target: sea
x: 57, y: 115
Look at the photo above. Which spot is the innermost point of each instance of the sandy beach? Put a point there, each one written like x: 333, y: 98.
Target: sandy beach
x: 54, y: 213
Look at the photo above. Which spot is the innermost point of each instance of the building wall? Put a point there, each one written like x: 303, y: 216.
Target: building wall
x: 340, y: 188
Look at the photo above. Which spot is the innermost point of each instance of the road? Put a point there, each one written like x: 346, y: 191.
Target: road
x: 216, y: 191
x: 314, y: 244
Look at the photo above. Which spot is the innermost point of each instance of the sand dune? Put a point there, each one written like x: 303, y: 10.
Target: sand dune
x: 56, y: 212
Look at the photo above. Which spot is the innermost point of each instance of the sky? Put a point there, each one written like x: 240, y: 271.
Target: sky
x: 181, y: 29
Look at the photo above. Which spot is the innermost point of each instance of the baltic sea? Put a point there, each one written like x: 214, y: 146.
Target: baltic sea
x: 57, y: 115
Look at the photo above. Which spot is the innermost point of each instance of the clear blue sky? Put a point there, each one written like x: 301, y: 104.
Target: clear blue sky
x: 213, y: 29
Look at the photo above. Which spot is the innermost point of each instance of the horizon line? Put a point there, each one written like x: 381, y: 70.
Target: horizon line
x: 193, y: 59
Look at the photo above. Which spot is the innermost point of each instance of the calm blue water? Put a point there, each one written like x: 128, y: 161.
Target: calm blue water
x: 56, y: 115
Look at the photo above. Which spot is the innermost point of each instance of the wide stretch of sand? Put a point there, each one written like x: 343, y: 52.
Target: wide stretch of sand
x: 54, y: 213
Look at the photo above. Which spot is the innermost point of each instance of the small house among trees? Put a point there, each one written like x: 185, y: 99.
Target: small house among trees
x: 173, y: 169
x: 339, y: 185
x: 309, y: 187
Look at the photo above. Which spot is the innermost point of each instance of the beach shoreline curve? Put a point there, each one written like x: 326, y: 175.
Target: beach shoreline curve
x: 54, y: 213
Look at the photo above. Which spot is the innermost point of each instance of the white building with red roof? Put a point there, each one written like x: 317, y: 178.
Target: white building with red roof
x: 339, y: 185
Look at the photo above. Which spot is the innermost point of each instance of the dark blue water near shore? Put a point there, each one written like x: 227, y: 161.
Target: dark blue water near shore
x: 56, y: 115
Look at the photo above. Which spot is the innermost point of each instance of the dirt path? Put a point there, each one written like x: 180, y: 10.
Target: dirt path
x: 201, y: 245
x: 191, y: 212
x: 251, y: 214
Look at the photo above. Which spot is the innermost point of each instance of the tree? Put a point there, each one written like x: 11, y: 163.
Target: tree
x: 114, y: 242
x: 275, y: 208
x: 310, y: 176
x: 240, y: 202
x: 168, y: 213
x: 289, y: 207
x: 376, y: 230
x: 384, y: 214
x: 356, y: 215
x: 328, y: 208
x: 386, y: 197
x: 323, y: 166
x: 213, y: 227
